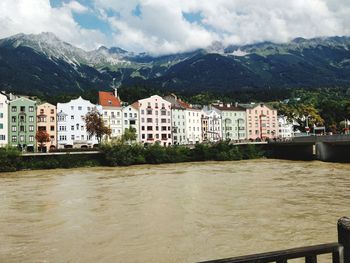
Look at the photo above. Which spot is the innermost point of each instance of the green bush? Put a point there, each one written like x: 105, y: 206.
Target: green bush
x: 9, y: 157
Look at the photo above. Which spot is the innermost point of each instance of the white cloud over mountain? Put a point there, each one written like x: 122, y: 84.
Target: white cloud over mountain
x: 160, y: 26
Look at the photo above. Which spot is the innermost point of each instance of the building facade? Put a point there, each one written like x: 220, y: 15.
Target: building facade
x: 3, y: 120
x: 233, y: 121
x: 193, y: 126
x: 178, y: 115
x: 46, y: 121
x: 286, y: 128
x: 71, y: 128
x: 261, y: 121
x: 155, y: 120
x: 22, y: 124
x: 211, y: 125
x: 131, y: 119
x: 112, y: 112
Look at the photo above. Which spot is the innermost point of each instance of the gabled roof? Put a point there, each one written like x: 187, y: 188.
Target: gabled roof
x: 135, y: 105
x: 254, y: 105
x: 228, y: 107
x: 177, y: 103
x: 107, y: 99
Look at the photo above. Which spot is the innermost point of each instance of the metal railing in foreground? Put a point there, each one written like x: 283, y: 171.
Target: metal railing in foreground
x: 340, y: 251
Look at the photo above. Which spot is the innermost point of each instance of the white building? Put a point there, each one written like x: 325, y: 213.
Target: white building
x: 155, y: 120
x: 286, y: 127
x: 193, y: 125
x: 112, y: 112
x: 71, y: 131
x: 233, y: 121
x: 186, y: 121
x: 131, y: 120
x: 211, y: 125
x: 3, y: 120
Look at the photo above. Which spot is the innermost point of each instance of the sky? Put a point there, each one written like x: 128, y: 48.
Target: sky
x: 171, y: 26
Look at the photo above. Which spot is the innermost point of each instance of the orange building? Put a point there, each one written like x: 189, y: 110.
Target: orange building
x: 46, y: 120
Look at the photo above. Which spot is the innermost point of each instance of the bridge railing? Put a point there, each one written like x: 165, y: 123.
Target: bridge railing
x: 340, y: 251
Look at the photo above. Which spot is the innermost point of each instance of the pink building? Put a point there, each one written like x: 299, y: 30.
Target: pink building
x: 262, y: 121
x: 155, y: 120
x: 46, y: 121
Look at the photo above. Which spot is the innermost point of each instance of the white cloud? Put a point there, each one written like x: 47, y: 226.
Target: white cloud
x: 161, y: 28
x: 36, y: 16
x: 76, y: 7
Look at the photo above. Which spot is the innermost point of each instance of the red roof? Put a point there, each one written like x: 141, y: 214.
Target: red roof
x: 108, y: 99
x: 184, y: 104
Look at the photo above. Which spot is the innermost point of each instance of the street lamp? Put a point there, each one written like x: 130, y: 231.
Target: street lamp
x: 307, y: 125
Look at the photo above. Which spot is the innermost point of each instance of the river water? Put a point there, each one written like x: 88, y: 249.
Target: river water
x: 170, y: 213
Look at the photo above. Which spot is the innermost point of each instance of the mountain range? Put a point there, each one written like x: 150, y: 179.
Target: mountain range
x: 44, y: 65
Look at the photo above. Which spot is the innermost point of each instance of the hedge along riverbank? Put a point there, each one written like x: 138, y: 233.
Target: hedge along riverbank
x: 11, y: 160
x: 119, y: 154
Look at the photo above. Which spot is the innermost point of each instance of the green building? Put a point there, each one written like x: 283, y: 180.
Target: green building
x: 22, y: 124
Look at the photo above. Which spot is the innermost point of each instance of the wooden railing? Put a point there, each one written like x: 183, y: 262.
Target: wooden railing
x: 340, y: 251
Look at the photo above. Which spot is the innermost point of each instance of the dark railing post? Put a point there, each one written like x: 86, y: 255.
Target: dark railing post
x: 344, y: 236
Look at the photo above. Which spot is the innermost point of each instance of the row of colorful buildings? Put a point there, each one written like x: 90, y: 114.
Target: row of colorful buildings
x: 167, y: 120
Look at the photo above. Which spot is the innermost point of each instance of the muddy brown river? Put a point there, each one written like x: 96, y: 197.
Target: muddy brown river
x: 170, y: 213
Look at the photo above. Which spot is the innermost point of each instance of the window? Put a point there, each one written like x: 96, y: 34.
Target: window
x: 142, y: 112
x: 31, y: 138
x: 72, y: 117
x: 52, y: 128
x: 149, y: 128
x: 1, y: 105
x: 105, y: 113
x: 82, y: 137
x: 72, y: 128
x: 149, y: 120
x: 149, y: 112
x: 14, y: 138
x: 72, y: 137
x: 1, y: 126
x: 31, y: 128
x: 14, y: 119
x: 52, y: 119
x: 2, y: 137
x: 80, y: 107
x: 21, y: 138
x: 77, y: 127
x: 72, y: 107
x: 21, y: 128
x: 1, y: 115
x: 31, y: 109
x: 52, y: 111
x: 125, y: 115
x: 14, y: 109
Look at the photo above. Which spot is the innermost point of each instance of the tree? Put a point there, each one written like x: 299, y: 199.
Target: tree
x: 95, y: 125
x: 129, y: 135
x: 42, y: 137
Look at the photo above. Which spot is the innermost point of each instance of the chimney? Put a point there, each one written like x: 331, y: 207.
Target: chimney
x: 115, y: 92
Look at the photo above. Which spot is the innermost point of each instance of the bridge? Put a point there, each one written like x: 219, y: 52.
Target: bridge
x: 324, y: 148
